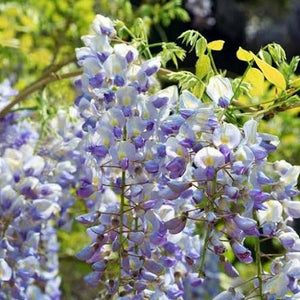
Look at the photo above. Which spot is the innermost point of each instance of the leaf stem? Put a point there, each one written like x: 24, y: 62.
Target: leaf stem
x: 258, y: 263
x: 202, y: 262
x: 212, y: 61
x: 122, y: 205
x: 242, y: 79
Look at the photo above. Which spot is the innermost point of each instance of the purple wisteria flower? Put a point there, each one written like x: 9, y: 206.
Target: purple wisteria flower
x: 35, y: 175
x: 169, y: 183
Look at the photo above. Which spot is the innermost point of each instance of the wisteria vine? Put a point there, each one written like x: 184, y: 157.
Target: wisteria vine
x: 176, y: 185
x: 172, y: 189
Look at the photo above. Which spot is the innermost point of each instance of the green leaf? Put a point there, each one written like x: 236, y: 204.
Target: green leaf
x: 202, y: 66
x: 277, y: 53
x: 139, y: 29
x: 295, y: 83
x: 198, y: 89
x: 216, y: 45
x: 190, y: 37
x: 171, y: 52
x: 186, y: 80
x: 265, y: 56
x: 244, y: 55
x: 272, y: 74
x: 289, y: 69
x: 182, y: 14
x: 241, y: 87
x: 201, y: 46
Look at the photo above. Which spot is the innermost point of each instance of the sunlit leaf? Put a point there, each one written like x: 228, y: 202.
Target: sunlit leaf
x: 41, y: 56
x: 202, y: 66
x: 272, y: 74
x: 256, y: 78
x: 201, y: 46
x: 198, y: 89
x: 26, y: 42
x: 216, y: 45
x: 28, y: 22
x: 244, y: 55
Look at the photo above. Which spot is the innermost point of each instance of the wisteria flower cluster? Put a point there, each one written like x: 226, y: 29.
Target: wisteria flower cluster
x: 34, y: 200
x: 172, y: 187
x: 177, y: 196
x: 28, y: 241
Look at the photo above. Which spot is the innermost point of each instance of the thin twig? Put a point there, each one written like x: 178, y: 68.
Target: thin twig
x: 36, y: 86
x: 55, y: 67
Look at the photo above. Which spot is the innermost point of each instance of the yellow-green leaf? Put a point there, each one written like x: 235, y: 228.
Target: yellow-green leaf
x: 202, y: 66
x: 28, y: 22
x: 201, y: 46
x: 26, y: 42
x: 216, y: 45
x: 272, y: 74
x: 256, y: 78
x: 198, y: 89
x: 295, y: 83
x: 244, y: 55
x: 4, y: 22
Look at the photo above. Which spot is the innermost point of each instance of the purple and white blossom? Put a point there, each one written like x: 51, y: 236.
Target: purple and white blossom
x: 171, y: 189
x: 219, y: 90
x: 182, y: 182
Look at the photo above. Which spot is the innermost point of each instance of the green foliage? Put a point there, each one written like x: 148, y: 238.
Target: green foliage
x: 153, y: 13
x: 186, y: 80
x: 288, y: 69
x: 203, y: 66
x: 286, y: 126
x: 201, y: 45
x: 163, y: 12
x: 170, y: 51
x: 72, y: 286
x: 277, y: 53
x: 191, y: 37
x: 117, y: 9
x: 39, y: 34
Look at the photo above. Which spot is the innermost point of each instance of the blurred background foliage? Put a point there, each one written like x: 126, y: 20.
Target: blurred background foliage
x: 38, y: 38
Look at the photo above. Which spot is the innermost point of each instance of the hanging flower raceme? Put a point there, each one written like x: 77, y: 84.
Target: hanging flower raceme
x: 28, y: 203
x: 172, y: 185
x: 36, y: 177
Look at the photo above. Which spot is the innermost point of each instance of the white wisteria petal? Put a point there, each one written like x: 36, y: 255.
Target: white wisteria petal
x: 227, y: 134
x: 273, y: 213
x: 219, y: 88
x: 5, y: 270
x: 209, y: 156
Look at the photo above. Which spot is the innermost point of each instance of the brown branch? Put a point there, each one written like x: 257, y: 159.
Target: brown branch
x: 52, y: 68
x: 55, y: 67
x: 269, y: 114
x: 36, y: 86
